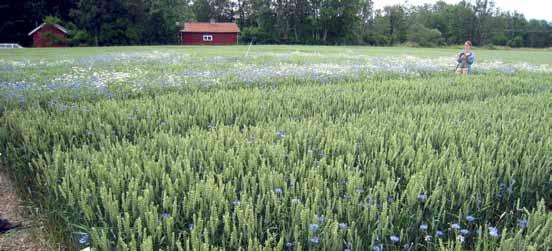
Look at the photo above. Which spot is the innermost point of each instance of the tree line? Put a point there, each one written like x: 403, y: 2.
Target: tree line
x: 327, y: 22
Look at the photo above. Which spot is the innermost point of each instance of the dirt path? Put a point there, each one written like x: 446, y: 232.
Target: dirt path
x: 30, y: 233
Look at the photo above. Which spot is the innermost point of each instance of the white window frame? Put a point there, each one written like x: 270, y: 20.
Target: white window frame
x: 208, y: 38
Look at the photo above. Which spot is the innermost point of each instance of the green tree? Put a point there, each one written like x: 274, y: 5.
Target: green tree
x: 537, y: 31
x: 398, y: 24
x: 380, y: 31
x: 423, y: 36
x: 121, y: 22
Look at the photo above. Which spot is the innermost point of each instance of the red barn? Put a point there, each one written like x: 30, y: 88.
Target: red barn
x: 49, y: 35
x: 210, y: 33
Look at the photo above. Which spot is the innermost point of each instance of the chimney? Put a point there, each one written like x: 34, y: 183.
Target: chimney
x: 212, y: 20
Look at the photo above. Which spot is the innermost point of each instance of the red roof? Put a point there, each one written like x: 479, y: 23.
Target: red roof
x: 211, y: 27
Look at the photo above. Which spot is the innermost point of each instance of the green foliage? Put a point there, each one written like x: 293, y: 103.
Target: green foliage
x: 324, y: 22
x: 51, y: 20
x: 490, y: 47
x: 79, y: 38
x: 249, y: 34
x: 424, y: 36
x: 516, y: 42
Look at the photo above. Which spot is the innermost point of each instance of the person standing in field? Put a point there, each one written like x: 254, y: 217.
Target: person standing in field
x: 465, y: 59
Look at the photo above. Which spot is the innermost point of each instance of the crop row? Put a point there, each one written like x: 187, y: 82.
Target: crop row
x: 402, y: 163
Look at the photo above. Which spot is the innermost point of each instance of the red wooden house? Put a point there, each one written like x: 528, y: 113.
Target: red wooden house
x: 209, y: 33
x: 49, y: 35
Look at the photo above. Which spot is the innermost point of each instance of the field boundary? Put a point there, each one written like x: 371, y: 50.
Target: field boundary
x: 30, y: 233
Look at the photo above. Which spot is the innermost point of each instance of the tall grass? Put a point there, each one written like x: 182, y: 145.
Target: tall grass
x: 385, y: 162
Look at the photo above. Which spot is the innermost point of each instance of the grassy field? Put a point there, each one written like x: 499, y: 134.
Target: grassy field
x: 538, y: 56
x: 287, y: 148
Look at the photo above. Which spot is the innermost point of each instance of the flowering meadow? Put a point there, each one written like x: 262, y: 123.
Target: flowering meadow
x: 281, y: 147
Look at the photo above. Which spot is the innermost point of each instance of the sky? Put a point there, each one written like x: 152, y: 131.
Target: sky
x: 532, y: 9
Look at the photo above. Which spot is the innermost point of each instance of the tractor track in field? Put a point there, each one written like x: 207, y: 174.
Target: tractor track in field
x: 28, y: 234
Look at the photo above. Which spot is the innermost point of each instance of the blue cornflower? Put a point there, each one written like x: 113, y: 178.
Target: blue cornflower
x: 51, y: 103
x: 422, y: 196
x: 314, y: 240
x: 360, y: 190
x: 522, y: 223
x: 236, y: 203
x: 493, y: 231
x: 321, y: 219
x: 84, y: 239
x: 510, y: 190
x: 165, y: 215
x: 290, y: 245
x: 278, y: 190
x: 281, y: 134
x: 370, y: 200
x: 439, y: 233
x: 464, y: 231
x: 348, y: 246
x: 377, y: 247
x: 343, y: 225
x: 455, y: 226
x: 408, y: 246
x: 191, y: 226
x: 390, y: 199
x: 423, y: 226
x: 394, y: 238
x: 314, y: 227
x: 470, y: 218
